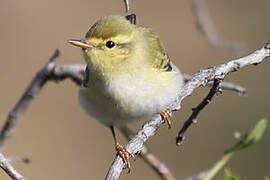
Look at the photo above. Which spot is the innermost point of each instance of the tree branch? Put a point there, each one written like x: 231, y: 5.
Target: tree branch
x: 217, y: 86
x: 126, y: 2
x: 6, y: 166
x: 199, y: 176
x: 223, y: 85
x: 199, y: 79
x: 206, y: 27
x: 18, y: 159
x: 50, y: 71
x: 195, y: 111
x: 149, y: 158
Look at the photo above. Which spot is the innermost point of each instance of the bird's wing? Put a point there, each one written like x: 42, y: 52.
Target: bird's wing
x: 159, y: 57
x: 86, y: 77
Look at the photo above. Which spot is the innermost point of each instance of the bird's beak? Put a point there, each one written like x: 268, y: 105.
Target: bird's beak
x: 80, y: 43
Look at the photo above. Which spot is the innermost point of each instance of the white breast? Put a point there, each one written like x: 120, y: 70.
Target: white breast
x: 131, y: 97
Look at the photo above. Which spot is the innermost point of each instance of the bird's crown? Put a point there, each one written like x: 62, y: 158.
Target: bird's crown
x: 110, y: 26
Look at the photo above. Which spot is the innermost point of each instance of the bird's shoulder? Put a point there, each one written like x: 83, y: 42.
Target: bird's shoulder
x: 159, y: 58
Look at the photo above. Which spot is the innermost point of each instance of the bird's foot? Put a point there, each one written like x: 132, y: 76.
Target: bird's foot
x: 165, y: 115
x: 124, y: 154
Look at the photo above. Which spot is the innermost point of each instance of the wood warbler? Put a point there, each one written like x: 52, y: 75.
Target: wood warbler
x: 129, y: 76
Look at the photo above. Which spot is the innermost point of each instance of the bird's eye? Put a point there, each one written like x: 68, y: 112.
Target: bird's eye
x: 110, y: 44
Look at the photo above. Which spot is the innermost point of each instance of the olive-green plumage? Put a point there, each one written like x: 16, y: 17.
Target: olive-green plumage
x: 110, y: 26
x: 126, y: 36
x: 129, y: 76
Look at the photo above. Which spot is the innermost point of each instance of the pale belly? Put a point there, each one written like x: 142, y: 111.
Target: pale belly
x: 130, y: 99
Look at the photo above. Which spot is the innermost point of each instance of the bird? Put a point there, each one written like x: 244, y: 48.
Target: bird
x: 129, y: 75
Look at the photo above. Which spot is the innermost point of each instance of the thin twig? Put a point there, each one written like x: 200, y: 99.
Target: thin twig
x: 199, y: 176
x: 7, y: 167
x: 18, y: 159
x: 126, y: 5
x: 232, y: 87
x: 206, y: 27
x: 149, y: 158
x: 195, y: 111
x: 219, y: 72
x: 22, y: 104
x: 220, y: 164
x: 199, y: 79
x: 223, y: 85
x: 50, y: 71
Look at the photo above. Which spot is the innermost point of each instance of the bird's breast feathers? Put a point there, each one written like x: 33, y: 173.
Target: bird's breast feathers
x: 130, y: 96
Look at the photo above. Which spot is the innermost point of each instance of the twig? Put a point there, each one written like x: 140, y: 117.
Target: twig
x: 7, y: 167
x: 22, y: 104
x: 199, y: 176
x: 199, y: 79
x: 244, y: 141
x: 18, y: 159
x: 232, y: 87
x: 50, y: 71
x: 219, y: 72
x: 223, y: 85
x: 206, y: 27
x: 195, y: 111
x: 224, y: 160
x: 126, y: 5
x: 152, y: 160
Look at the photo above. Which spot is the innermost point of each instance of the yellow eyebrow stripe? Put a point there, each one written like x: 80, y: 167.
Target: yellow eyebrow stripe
x: 96, y: 40
x: 118, y: 39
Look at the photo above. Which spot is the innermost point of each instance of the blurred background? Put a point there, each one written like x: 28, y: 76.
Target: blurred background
x: 64, y: 143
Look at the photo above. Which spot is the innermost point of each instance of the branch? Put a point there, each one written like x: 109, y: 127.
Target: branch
x: 50, y: 71
x: 223, y: 85
x: 126, y: 5
x: 18, y: 159
x: 195, y: 111
x: 217, y: 86
x: 6, y: 166
x: 199, y: 176
x: 219, y: 72
x: 206, y: 27
x: 244, y: 140
x: 149, y: 158
x: 199, y: 79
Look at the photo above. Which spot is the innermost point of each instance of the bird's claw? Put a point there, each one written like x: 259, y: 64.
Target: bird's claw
x: 165, y: 115
x: 124, y: 154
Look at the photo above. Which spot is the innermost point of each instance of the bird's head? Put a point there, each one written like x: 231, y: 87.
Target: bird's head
x: 108, y: 43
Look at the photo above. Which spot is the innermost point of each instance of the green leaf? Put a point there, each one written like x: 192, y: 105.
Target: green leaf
x: 249, y: 139
x: 229, y: 176
x: 244, y: 141
x: 257, y: 133
x: 267, y: 178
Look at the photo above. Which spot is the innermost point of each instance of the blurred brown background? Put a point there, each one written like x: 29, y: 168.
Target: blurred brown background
x: 64, y: 143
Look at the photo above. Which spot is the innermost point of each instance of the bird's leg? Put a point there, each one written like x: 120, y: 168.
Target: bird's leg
x: 122, y: 151
x: 165, y: 115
